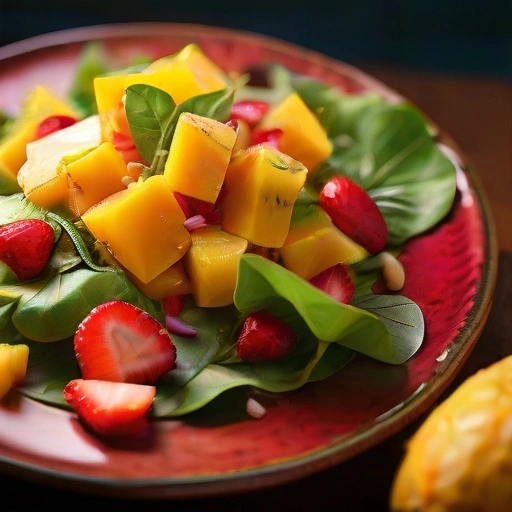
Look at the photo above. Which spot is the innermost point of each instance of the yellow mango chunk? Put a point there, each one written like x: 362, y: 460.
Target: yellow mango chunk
x: 42, y: 177
x: 199, y: 156
x: 211, y: 264
x: 13, y: 366
x: 260, y: 189
x: 314, y: 244
x: 172, y: 281
x: 39, y: 104
x: 142, y: 227
x: 304, y: 138
x: 94, y: 175
x: 182, y: 75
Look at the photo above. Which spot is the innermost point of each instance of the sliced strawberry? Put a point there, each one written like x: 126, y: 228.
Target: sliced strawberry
x: 354, y: 212
x: 53, y: 124
x: 192, y: 207
x: 271, y: 136
x: 174, y: 304
x: 25, y: 246
x: 121, y: 343
x: 251, y: 112
x: 336, y: 281
x: 265, y: 337
x: 111, y: 408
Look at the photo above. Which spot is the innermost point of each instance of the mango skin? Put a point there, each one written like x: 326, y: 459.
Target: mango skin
x: 142, y: 227
x: 199, y: 156
x: 211, y: 264
x: 460, y: 458
x: 260, y: 189
x: 303, y: 138
x: 315, y: 244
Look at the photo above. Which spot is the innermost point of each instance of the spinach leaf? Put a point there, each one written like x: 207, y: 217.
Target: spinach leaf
x: 263, y: 284
x: 394, y: 157
x: 56, y: 310
x: 152, y: 116
x: 338, y: 112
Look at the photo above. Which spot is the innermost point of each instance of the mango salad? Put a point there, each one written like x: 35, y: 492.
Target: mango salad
x: 202, y: 197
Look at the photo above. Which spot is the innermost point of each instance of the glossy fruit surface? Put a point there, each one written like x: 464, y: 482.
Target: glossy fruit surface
x: 25, y: 246
x: 265, y: 337
x: 354, y: 212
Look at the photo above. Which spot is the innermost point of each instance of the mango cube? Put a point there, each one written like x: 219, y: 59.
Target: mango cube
x: 260, y: 189
x: 39, y: 104
x: 13, y: 365
x: 42, y: 177
x: 314, y: 244
x: 303, y: 138
x: 182, y: 75
x: 172, y: 281
x: 211, y: 264
x: 142, y: 227
x: 199, y: 156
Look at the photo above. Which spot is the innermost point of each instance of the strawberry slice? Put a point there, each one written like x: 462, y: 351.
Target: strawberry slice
x: 120, y: 342
x: 25, y: 246
x: 354, y: 213
x: 271, y: 136
x: 250, y: 111
x: 111, y: 408
x: 265, y: 337
x: 336, y: 281
x: 53, y: 124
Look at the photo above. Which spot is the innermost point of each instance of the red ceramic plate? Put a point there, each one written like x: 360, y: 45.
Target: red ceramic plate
x: 451, y: 274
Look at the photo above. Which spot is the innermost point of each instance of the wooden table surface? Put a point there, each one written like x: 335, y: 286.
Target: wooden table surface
x: 477, y: 113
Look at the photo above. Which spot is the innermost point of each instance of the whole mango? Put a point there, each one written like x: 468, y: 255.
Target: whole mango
x: 460, y: 459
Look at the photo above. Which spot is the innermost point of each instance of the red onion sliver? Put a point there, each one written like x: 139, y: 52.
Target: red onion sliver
x: 176, y: 325
x: 195, y: 222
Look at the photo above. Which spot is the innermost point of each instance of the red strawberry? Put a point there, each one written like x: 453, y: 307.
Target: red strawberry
x: 265, y: 337
x: 355, y: 213
x: 111, y: 408
x: 251, y: 112
x: 335, y: 281
x: 52, y: 124
x: 25, y: 246
x: 192, y: 207
x: 121, y: 343
x: 272, y: 136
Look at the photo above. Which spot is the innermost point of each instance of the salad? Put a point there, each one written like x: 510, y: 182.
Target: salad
x: 173, y: 230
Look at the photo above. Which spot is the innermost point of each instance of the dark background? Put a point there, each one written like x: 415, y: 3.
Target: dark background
x: 462, y: 37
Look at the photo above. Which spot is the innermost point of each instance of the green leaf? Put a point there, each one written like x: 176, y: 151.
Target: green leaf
x: 338, y: 112
x: 396, y: 160
x: 56, y: 310
x: 263, y: 284
x: 148, y: 110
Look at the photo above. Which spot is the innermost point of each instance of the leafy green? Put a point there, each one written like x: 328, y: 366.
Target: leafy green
x: 56, y: 310
x: 152, y: 116
x: 263, y: 284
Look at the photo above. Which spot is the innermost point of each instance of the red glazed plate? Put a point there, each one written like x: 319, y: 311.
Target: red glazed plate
x: 451, y: 274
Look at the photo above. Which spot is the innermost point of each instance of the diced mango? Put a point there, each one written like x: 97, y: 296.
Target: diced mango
x: 211, y: 264
x: 182, y: 75
x: 142, y: 227
x: 13, y: 365
x: 260, y: 189
x: 172, y: 281
x: 314, y: 244
x: 199, y: 156
x: 93, y: 175
x: 39, y: 104
x: 42, y: 177
x: 303, y: 138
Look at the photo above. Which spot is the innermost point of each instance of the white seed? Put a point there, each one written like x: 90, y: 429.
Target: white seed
x: 392, y: 271
x: 255, y: 409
